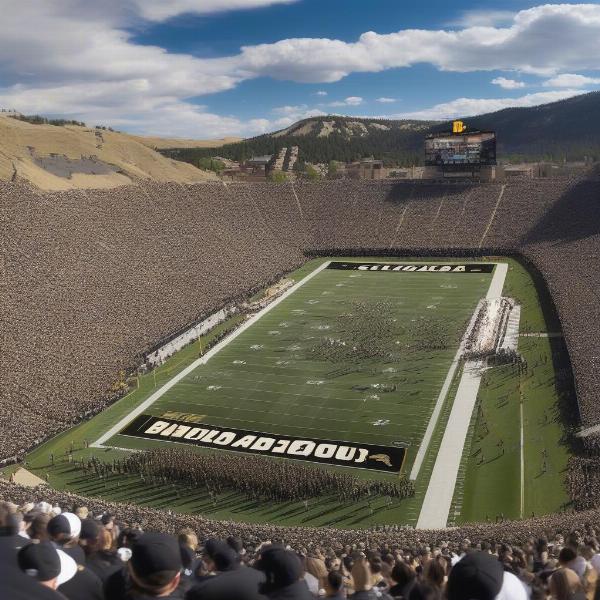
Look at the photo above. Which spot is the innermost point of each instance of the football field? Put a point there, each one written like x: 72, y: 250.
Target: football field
x: 349, y: 355
x: 355, y: 363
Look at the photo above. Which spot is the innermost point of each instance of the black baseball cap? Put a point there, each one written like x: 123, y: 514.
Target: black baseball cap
x: 66, y: 523
x: 224, y: 557
x: 89, y: 529
x: 282, y: 567
x: 44, y: 562
x: 155, y: 552
x: 476, y: 576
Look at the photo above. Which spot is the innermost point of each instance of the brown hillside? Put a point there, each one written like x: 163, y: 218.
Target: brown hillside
x: 60, y: 158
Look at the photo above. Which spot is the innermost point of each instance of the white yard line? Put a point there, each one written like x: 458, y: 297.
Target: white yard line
x: 438, y: 498
x: 495, y: 290
x: 522, y: 460
x: 99, y: 443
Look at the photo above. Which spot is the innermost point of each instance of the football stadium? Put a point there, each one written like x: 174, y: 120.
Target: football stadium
x: 357, y: 357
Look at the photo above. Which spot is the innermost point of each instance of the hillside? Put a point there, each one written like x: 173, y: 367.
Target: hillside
x: 64, y: 157
x: 568, y: 129
x: 322, y: 139
x: 160, y: 143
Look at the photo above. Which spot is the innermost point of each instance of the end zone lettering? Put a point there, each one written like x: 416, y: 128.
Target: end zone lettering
x: 414, y: 268
x: 349, y: 454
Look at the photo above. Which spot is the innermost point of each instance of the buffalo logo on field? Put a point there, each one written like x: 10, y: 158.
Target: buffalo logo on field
x: 384, y: 458
x: 333, y: 452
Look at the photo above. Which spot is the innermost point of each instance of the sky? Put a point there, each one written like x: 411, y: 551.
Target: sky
x: 213, y: 68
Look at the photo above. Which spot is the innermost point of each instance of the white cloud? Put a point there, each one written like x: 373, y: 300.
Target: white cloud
x: 384, y: 100
x: 571, y: 80
x: 159, y: 10
x: 508, y: 84
x: 79, y: 59
x: 321, y: 93
x: 484, y: 18
x: 465, y: 107
x: 349, y: 101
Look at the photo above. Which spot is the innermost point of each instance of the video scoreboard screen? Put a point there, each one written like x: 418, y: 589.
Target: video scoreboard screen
x: 447, y: 149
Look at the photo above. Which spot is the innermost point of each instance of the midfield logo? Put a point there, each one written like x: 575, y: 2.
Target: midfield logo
x: 349, y: 454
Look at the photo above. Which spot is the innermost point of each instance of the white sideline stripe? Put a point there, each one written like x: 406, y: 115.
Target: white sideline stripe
x: 202, y: 360
x: 496, y: 286
x: 493, y: 215
x: 438, y: 498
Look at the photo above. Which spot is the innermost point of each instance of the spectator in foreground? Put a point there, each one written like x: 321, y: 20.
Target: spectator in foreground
x: 153, y: 571
x: 283, y: 575
x: 47, y: 565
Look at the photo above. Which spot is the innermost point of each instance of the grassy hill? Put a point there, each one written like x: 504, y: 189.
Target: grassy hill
x: 568, y: 129
x: 59, y: 157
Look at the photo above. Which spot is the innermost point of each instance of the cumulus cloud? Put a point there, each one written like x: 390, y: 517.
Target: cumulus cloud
x: 349, y: 101
x: 463, y: 107
x: 508, y: 84
x: 80, y: 59
x: 321, y: 93
x: 159, y: 10
x: 483, y: 18
x: 384, y: 100
x: 571, y: 80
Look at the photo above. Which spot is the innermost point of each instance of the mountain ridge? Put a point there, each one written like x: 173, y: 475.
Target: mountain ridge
x: 562, y: 130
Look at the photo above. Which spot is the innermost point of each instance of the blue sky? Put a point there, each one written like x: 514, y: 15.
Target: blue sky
x: 209, y: 68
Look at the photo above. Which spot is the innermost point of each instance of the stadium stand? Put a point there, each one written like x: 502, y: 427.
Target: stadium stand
x: 93, y: 278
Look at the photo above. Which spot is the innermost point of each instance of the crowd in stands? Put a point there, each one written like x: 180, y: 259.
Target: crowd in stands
x: 74, y: 551
x: 92, y: 278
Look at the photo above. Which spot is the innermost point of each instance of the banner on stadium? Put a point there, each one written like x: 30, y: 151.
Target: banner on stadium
x: 348, y: 454
x: 413, y: 268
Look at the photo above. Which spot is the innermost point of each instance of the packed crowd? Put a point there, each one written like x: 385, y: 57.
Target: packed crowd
x: 92, y: 278
x: 257, y: 477
x: 73, y: 551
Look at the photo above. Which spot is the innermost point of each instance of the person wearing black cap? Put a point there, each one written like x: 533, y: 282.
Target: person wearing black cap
x: 283, y: 573
x: 47, y: 565
x: 153, y: 571
x: 481, y: 576
x: 64, y: 530
x: 476, y: 576
x: 18, y: 586
x: 230, y: 576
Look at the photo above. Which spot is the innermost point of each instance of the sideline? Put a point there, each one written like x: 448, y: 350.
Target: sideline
x: 99, y: 443
x: 440, y: 490
x: 438, y: 498
x: 494, y: 291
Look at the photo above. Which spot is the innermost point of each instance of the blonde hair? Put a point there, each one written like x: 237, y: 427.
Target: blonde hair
x: 188, y: 538
x: 316, y: 567
x: 361, y: 575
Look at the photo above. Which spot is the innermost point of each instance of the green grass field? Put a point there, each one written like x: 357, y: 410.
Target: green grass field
x: 289, y: 374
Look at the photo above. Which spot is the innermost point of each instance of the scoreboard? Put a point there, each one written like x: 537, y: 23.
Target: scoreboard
x: 460, y: 149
